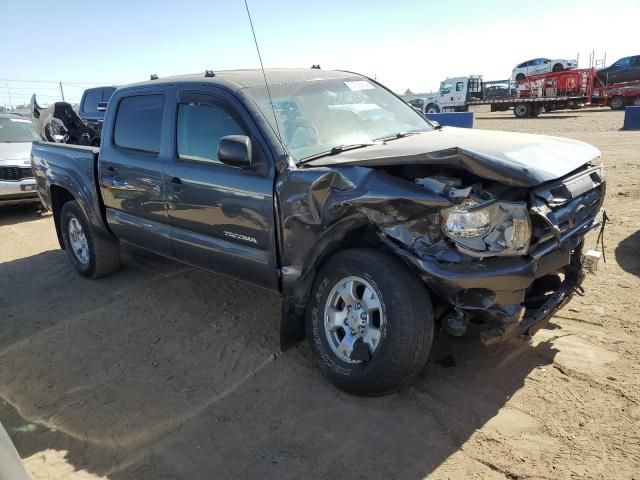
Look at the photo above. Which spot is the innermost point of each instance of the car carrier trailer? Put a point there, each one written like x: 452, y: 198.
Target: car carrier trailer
x: 567, y: 89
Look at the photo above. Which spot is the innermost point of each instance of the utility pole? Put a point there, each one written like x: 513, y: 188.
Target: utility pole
x: 61, y: 91
x: 9, y: 93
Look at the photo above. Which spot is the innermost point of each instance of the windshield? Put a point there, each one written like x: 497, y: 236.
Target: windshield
x: 15, y: 130
x: 316, y: 116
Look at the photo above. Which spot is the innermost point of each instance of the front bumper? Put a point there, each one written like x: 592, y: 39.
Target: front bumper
x: 17, y: 192
x: 497, y: 289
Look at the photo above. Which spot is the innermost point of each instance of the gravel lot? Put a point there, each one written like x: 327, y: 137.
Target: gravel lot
x: 162, y: 371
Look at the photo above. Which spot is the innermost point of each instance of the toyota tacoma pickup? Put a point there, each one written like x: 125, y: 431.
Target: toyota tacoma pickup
x: 374, y: 225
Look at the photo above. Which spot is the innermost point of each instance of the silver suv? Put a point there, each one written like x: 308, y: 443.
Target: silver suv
x: 17, y: 184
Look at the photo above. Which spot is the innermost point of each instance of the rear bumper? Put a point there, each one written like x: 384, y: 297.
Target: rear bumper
x: 14, y: 193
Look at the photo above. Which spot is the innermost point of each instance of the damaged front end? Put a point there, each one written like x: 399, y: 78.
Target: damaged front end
x: 498, y: 256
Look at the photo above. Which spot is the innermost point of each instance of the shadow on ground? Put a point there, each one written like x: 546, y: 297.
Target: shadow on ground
x: 628, y: 253
x: 162, y: 371
x: 10, y: 215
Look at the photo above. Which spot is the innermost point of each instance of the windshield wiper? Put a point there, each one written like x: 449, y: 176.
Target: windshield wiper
x: 395, y: 136
x: 339, y: 149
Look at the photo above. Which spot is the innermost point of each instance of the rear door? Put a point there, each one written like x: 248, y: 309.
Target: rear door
x: 222, y: 217
x: 132, y: 158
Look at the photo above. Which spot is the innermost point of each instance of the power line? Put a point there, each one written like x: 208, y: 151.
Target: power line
x: 50, y: 81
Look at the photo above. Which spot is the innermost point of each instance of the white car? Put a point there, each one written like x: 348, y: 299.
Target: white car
x: 17, y: 184
x: 541, y: 65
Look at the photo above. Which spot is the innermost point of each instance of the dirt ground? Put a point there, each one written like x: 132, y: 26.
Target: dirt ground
x: 161, y: 371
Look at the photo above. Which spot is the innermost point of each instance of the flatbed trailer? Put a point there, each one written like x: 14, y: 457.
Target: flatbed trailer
x: 617, y: 96
x: 527, y: 107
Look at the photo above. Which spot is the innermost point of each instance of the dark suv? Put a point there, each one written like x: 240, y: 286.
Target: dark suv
x: 94, y: 104
x: 626, y: 69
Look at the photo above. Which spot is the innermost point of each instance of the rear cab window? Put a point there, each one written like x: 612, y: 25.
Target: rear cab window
x: 138, y: 123
x: 93, y: 97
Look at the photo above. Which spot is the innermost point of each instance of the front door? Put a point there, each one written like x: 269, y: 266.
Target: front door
x: 222, y: 216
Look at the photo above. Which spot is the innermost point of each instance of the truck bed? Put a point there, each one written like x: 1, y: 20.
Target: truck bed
x: 74, y: 168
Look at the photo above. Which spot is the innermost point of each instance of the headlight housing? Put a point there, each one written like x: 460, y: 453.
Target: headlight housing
x: 490, y: 228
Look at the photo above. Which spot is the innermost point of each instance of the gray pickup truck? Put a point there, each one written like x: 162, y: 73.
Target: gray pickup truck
x: 373, y: 224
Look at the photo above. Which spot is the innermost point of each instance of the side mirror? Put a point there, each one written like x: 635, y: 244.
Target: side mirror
x: 102, y: 106
x: 235, y: 150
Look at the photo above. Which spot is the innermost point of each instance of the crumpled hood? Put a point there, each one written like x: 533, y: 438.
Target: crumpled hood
x: 518, y: 159
x: 15, y: 154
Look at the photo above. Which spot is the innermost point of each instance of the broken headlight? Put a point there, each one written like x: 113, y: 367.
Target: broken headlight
x: 488, y: 228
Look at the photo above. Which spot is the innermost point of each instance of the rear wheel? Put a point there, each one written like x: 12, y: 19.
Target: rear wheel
x: 93, y: 255
x: 520, y: 76
x: 558, y: 67
x: 617, y: 103
x: 369, y: 322
x: 636, y: 102
x: 522, y: 110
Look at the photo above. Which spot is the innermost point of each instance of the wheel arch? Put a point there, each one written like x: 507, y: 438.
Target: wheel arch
x: 347, y: 233
x: 59, y: 196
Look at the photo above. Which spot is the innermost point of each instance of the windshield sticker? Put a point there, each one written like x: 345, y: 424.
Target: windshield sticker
x: 358, y: 85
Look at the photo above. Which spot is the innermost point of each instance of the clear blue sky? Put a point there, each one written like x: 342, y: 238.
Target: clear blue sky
x: 404, y: 44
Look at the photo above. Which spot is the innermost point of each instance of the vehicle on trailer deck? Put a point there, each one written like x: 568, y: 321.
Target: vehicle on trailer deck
x: 374, y: 226
x: 538, y: 66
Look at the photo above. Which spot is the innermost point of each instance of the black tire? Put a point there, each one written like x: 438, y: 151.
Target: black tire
x: 432, y: 108
x: 520, y: 76
x: 536, y: 110
x: 103, y: 253
x: 636, y: 102
x: 522, y: 110
x: 558, y: 67
x: 617, y: 103
x: 405, y: 336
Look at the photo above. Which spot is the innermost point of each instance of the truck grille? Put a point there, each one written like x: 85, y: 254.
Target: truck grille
x: 567, y: 204
x: 13, y: 174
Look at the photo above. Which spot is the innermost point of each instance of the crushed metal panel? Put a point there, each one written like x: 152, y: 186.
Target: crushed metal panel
x: 60, y: 123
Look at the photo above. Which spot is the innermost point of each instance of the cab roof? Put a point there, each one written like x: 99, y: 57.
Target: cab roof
x: 251, y: 77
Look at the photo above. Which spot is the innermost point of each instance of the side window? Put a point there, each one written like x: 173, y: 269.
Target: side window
x: 106, y: 94
x: 445, y: 88
x: 201, y: 125
x: 139, y: 123
x: 459, y: 86
x: 623, y: 63
x: 91, y: 99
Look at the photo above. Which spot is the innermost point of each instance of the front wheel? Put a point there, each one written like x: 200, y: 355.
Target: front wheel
x: 369, y: 322
x: 93, y: 255
x: 522, y: 110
